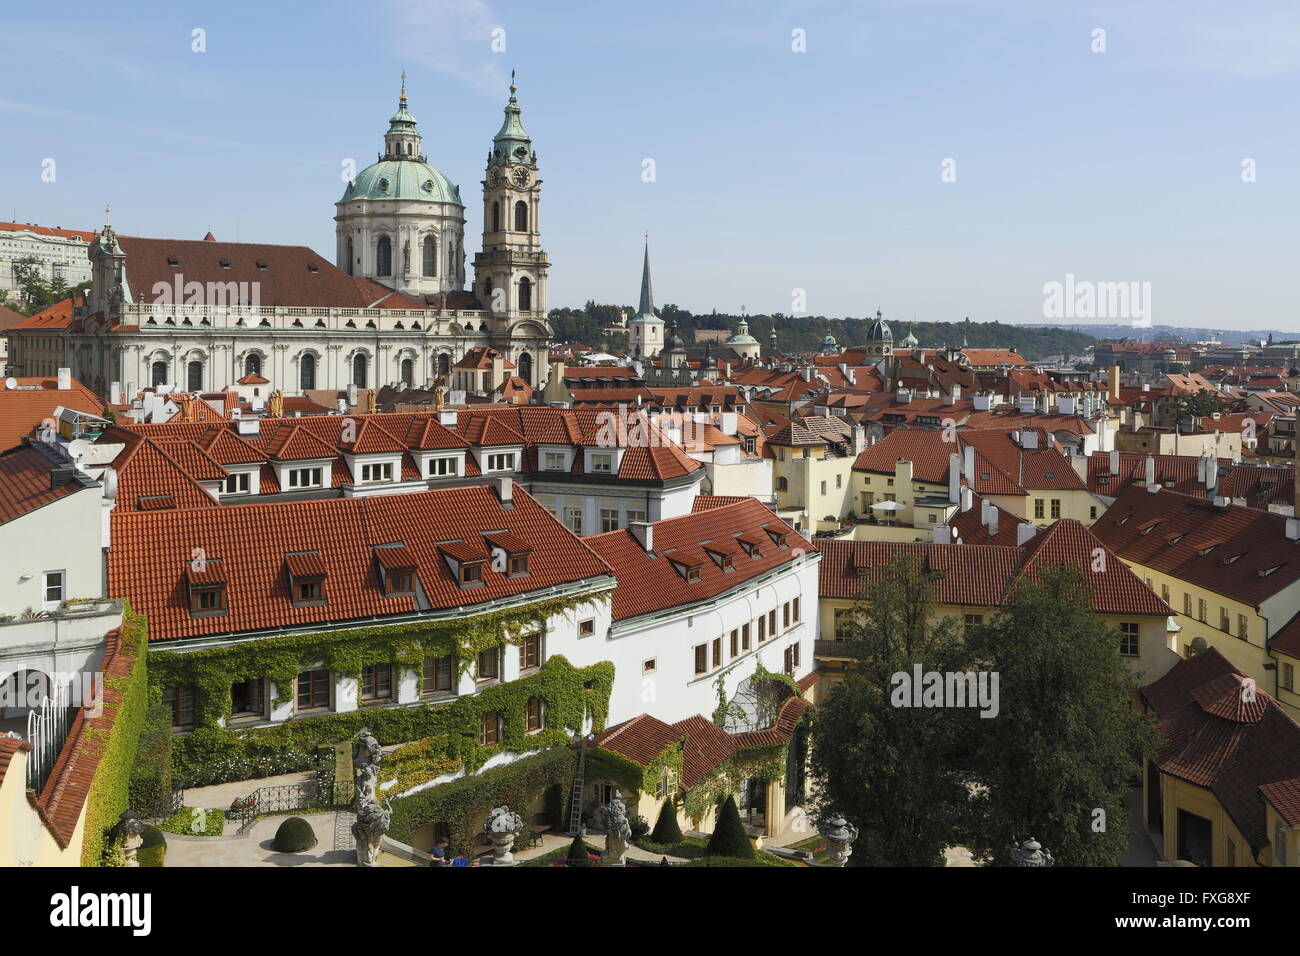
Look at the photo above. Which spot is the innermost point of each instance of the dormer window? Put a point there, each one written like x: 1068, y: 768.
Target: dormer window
x: 502, y: 461
x: 378, y: 471
x: 397, y: 566
x: 602, y: 463
x: 306, y: 578
x: 206, y: 579
x: 471, y: 573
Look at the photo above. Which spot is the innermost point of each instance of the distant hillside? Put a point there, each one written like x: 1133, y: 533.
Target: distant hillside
x: 805, y: 333
x: 1183, y: 333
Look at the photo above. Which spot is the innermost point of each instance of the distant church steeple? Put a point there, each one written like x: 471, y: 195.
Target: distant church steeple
x: 646, y: 330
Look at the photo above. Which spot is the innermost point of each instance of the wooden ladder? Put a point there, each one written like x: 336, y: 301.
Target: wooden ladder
x: 575, y: 794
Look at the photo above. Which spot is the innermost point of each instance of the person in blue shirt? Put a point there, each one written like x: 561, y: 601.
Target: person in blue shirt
x: 438, y: 856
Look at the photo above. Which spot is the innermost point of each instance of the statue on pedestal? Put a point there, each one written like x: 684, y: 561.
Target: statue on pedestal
x: 372, y: 819
x: 618, y: 832
x: 502, y: 825
x: 132, y: 828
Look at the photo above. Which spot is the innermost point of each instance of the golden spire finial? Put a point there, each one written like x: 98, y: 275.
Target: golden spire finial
x: 512, y: 82
x: 403, y: 84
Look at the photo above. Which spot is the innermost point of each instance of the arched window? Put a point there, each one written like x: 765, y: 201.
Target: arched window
x: 194, y: 377
x: 444, y: 364
x: 496, y: 217
x: 521, y: 216
x: 253, y: 364
x: 526, y: 367
x: 408, y: 372
x: 384, y: 266
x: 525, y: 295
x: 348, y: 264
x: 408, y: 148
x: 359, y: 366
x: 430, y: 257
x: 307, y: 372
x: 158, y: 373
x: 487, y: 286
x: 782, y: 484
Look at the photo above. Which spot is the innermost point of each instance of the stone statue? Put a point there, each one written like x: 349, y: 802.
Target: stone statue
x: 372, y: 819
x: 618, y: 832
x: 372, y: 824
x: 839, y: 834
x: 502, y: 825
x: 366, y: 757
x: 132, y: 828
x: 372, y: 401
x: 439, y: 396
x: 1031, y: 853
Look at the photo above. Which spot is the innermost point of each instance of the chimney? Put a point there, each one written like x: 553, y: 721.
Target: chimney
x: 1151, y: 474
x: 942, y: 534
x: 1114, y: 461
x: 1024, y: 533
x: 506, y: 491
x: 1066, y: 406
x: 248, y: 427
x: 904, y: 396
x: 1200, y: 471
x: 352, y: 395
x: 981, y: 402
x: 65, y: 380
x: 1114, y: 383
x: 1293, y: 529
x: 115, y: 394
x: 729, y: 423
x: 1211, y: 475
x: 1028, y: 439
x: 968, y: 463
x: 984, y: 510
x: 1080, y: 465
x: 956, y: 394
x: 644, y: 532
x: 967, y: 498
x: 954, y: 478
x: 1027, y: 403
x: 447, y: 417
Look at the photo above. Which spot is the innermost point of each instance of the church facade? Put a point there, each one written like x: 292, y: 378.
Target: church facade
x: 394, y: 307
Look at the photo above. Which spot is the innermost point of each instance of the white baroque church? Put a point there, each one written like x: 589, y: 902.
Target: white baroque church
x: 393, y: 309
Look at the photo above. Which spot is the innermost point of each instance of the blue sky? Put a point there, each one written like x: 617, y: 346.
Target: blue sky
x: 775, y: 170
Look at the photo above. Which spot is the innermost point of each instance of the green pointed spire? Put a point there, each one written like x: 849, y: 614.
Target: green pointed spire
x: 511, y: 144
x: 647, y: 306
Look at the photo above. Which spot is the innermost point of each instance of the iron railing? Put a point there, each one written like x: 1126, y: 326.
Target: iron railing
x: 47, y: 729
x: 264, y: 800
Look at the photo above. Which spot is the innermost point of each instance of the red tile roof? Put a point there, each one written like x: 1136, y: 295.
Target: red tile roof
x: 8, y: 747
x: 23, y: 409
x: 28, y: 480
x: 151, y: 551
x: 654, y: 582
x: 1235, y: 749
x: 985, y: 576
x: 1237, y: 552
x: 83, y: 235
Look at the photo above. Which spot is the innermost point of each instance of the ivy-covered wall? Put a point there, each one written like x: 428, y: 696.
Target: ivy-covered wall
x: 109, y: 790
x: 217, y: 755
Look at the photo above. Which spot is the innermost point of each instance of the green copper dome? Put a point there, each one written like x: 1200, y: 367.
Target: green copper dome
x: 402, y: 179
x: 742, y: 336
x: 911, y: 341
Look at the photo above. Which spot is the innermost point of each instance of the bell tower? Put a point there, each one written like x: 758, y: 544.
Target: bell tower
x: 510, y: 272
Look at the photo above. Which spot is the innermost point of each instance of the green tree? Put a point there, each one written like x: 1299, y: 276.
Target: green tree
x: 729, y: 838
x: 1067, y: 740
x: 893, y: 771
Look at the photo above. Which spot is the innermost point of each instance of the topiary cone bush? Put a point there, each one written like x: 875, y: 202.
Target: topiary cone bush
x: 666, y: 831
x: 577, y: 855
x: 294, y: 836
x: 729, y: 837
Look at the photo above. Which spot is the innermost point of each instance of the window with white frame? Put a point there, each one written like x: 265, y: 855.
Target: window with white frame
x: 555, y: 461
x: 379, y: 471
x: 635, y: 516
x: 602, y: 463
x: 573, y: 518
x: 443, y: 467
x: 608, y: 519
x: 237, y: 484
x: 305, y: 477
x: 501, y: 461
x: 55, y: 588
x: 1128, y: 639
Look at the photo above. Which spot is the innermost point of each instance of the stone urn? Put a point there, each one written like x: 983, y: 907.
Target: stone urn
x: 132, y: 837
x: 502, y: 826
x: 839, y: 834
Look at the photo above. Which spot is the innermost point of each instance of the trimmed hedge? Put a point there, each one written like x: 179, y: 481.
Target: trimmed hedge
x: 109, y: 793
x: 729, y: 838
x: 294, y: 836
x: 667, y: 831
x: 577, y: 855
x: 151, y: 775
x: 182, y: 821
x: 153, y: 851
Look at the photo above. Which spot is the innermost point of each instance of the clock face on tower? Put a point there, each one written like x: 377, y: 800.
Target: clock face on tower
x: 520, y: 176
